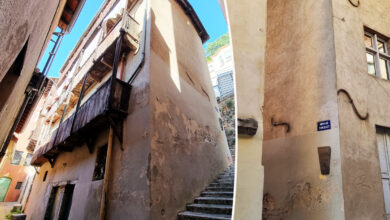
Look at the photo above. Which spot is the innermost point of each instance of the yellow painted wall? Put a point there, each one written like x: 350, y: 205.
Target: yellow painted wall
x: 248, y: 37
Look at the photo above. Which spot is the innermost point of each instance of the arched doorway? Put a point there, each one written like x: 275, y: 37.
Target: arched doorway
x: 4, y: 185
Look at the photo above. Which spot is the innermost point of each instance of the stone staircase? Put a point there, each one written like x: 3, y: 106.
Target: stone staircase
x: 215, y: 202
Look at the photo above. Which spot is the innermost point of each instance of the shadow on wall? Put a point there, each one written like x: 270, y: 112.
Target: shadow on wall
x: 186, y: 140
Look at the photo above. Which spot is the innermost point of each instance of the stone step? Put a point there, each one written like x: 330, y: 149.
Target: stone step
x: 226, y: 175
x: 222, y: 184
x: 224, y: 181
x: 230, y: 173
x: 214, y: 200
x: 210, y: 208
x: 187, y: 215
x: 217, y: 194
x: 215, y: 203
x: 226, y: 178
x: 219, y: 188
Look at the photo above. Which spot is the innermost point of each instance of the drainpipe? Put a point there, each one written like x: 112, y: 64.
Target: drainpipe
x: 106, y: 176
x: 141, y: 64
x: 103, y: 202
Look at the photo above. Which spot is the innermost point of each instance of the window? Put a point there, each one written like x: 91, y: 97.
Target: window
x: 44, y: 177
x: 228, y: 55
x: 18, y: 185
x: 377, y: 55
x: 27, y: 160
x: 17, y: 157
x: 221, y: 60
x: 100, y: 164
x: 60, y: 202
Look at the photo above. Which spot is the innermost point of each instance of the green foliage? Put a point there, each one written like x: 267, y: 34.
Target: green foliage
x: 229, y: 103
x: 212, y: 47
x: 13, y: 212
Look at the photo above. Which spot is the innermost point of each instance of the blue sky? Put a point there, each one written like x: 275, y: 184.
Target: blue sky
x: 208, y: 11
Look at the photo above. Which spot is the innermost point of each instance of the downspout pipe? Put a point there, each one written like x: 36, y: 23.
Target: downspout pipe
x: 103, y: 203
x: 141, y: 64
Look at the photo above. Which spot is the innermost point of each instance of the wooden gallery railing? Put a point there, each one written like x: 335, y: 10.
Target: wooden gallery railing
x: 107, y: 106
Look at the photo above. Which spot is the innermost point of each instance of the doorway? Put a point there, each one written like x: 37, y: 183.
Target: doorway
x: 4, y: 185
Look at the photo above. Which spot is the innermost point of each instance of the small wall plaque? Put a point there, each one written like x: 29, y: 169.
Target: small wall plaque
x: 323, y: 125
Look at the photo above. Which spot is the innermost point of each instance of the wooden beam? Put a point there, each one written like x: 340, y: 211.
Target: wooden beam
x: 106, y: 175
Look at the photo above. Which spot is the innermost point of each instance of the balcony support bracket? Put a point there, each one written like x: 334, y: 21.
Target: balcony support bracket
x: 52, y: 160
x: 90, y: 142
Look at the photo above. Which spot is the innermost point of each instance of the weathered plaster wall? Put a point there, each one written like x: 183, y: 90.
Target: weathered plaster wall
x: 188, y: 147
x: 173, y: 143
x: 294, y: 182
x: 362, y: 184
x: 300, y: 89
x: 76, y: 167
x: 129, y: 193
x: 247, y: 27
x: 22, y: 20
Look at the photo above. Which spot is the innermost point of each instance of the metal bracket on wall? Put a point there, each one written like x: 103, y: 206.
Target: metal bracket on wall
x: 353, y: 104
x: 281, y: 124
x: 355, y: 3
x: 90, y: 142
x: 247, y: 127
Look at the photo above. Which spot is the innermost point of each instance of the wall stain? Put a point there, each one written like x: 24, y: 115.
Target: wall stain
x: 299, y: 195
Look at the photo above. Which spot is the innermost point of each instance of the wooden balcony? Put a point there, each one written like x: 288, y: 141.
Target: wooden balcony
x: 99, y: 62
x: 109, y: 104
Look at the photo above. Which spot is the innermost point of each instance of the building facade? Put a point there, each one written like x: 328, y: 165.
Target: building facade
x: 25, y: 38
x: 221, y: 72
x: 132, y: 128
x: 16, y: 174
x: 325, y: 113
x: 326, y: 110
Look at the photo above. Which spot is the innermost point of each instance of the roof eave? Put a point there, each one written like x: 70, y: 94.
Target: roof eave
x: 190, y: 12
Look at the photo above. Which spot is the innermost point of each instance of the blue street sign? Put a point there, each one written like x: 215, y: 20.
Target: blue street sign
x: 323, y: 125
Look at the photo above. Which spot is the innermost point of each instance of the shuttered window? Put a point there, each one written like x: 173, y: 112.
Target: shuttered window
x: 383, y: 142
